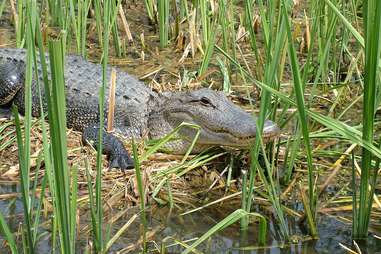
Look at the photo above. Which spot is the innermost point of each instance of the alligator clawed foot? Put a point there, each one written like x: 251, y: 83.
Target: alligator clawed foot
x: 122, y: 161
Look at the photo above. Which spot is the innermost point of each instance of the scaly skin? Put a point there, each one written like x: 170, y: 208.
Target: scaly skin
x: 138, y: 110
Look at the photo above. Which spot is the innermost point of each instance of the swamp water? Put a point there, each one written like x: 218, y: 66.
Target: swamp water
x: 174, y: 227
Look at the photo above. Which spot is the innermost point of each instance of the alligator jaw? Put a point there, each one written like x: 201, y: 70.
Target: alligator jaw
x: 225, y: 138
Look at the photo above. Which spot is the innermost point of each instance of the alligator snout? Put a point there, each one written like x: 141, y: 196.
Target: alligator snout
x: 243, y: 128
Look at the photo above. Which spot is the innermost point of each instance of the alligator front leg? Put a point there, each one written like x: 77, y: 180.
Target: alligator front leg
x: 112, y: 147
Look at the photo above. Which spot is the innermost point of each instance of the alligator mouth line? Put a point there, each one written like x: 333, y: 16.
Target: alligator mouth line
x: 265, y: 136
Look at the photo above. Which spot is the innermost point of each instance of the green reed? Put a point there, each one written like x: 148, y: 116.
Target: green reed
x: 24, y: 181
x: 79, y: 11
x: 142, y: 195
x: 115, y: 29
x: 244, y: 222
x: 98, y: 230
x: 223, y: 18
x: 56, y: 104
x: 64, y: 197
x: 150, y: 10
x: 299, y: 94
x: 24, y: 142
x: 20, y: 22
x: 209, y: 49
x: 274, y: 45
x: 57, y: 123
x: 8, y: 235
x: 205, y: 20
x: 163, y: 15
x: 55, y: 153
x: 249, y: 21
x: 362, y: 209
x: 372, y: 11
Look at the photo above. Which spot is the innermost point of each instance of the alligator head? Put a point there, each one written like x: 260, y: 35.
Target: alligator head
x: 221, y: 122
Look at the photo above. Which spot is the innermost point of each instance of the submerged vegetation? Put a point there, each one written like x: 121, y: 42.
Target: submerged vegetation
x: 310, y: 66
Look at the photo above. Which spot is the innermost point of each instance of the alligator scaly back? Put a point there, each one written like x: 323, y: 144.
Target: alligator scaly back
x: 83, y: 80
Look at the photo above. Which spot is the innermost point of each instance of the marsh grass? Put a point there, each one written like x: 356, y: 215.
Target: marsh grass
x: 372, y: 11
x: 299, y: 93
x: 150, y: 9
x: 57, y: 124
x: 163, y: 15
x: 79, y: 23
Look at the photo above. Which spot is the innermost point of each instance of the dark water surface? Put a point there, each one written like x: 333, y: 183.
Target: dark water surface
x: 231, y: 240
x: 188, y: 227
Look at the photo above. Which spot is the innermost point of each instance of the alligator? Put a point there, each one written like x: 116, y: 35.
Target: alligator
x: 139, y: 111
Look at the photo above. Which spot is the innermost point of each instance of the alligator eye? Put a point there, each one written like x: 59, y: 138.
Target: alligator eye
x: 206, y: 102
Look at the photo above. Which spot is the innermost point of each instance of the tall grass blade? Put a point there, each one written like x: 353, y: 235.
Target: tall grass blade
x: 355, y: 226
x: 24, y: 176
x: 98, y: 20
x: 149, y: 7
x: 40, y: 200
x: 209, y: 51
x: 372, y: 11
x: 347, y: 24
x: 73, y: 207
x: 92, y: 206
x: 6, y: 232
x: 244, y: 222
x: 57, y: 123
x: 106, y: 27
x: 249, y: 24
x: 299, y: 92
x: 205, y: 21
x: 274, y: 49
x: 49, y: 174
x: 142, y: 194
x: 163, y: 8
x: 24, y: 146
x: 78, y: 15
x: 20, y: 23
